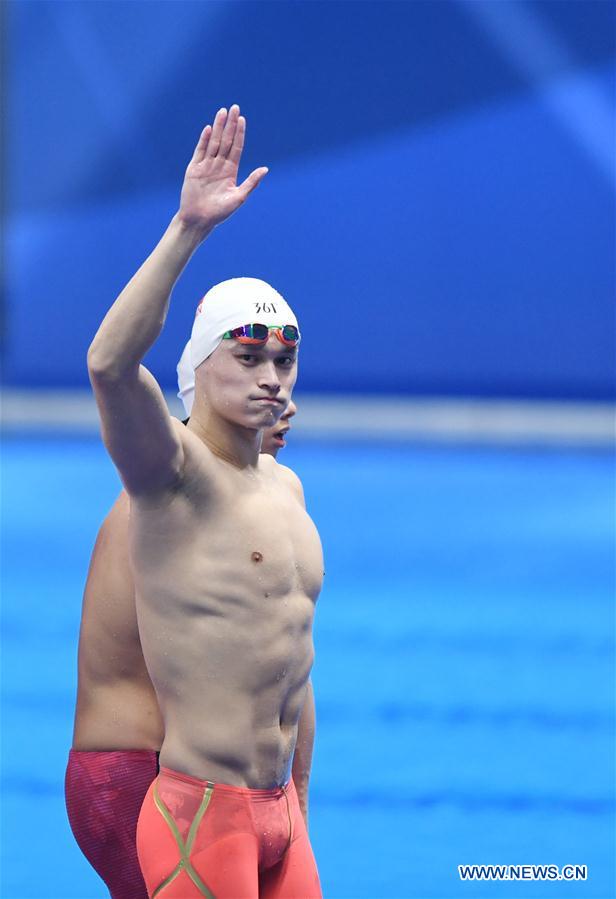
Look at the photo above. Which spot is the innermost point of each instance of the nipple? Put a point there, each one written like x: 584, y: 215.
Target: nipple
x: 257, y: 556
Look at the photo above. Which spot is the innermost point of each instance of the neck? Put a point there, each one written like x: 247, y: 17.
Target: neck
x: 236, y: 445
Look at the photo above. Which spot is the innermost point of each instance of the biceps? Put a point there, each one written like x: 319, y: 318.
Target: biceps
x: 138, y: 430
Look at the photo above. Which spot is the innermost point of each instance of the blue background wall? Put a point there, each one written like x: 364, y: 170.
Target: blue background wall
x: 440, y: 173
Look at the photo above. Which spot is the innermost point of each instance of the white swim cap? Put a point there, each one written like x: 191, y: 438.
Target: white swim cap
x: 186, y: 379
x: 230, y: 304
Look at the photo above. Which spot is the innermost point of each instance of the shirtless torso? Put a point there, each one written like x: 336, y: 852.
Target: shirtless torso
x: 226, y: 604
x: 117, y: 707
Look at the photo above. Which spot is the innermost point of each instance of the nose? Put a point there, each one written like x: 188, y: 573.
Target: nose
x: 268, y: 378
x: 290, y: 411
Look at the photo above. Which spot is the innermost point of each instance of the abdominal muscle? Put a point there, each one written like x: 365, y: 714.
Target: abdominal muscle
x: 231, y: 695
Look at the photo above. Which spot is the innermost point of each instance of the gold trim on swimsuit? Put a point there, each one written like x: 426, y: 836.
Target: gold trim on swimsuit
x: 185, y: 848
x: 290, y: 819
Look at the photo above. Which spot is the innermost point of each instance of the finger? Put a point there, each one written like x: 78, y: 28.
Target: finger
x: 226, y: 141
x: 202, y: 143
x: 219, y: 122
x: 235, y: 152
x: 253, y: 180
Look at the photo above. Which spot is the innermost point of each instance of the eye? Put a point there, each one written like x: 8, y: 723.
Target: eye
x: 286, y: 361
x: 247, y: 357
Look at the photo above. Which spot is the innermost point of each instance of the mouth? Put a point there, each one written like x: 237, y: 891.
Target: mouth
x: 268, y: 400
x: 279, y: 435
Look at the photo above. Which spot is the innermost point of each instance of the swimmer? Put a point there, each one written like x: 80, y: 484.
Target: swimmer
x: 118, y: 728
x: 227, y: 564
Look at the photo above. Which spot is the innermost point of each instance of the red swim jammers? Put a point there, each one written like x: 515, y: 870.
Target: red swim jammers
x: 197, y: 838
x: 104, y: 793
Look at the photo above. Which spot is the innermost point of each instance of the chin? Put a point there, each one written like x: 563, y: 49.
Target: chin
x: 269, y: 416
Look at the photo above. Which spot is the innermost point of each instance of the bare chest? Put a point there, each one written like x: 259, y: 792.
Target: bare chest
x: 277, y: 543
x: 254, y: 540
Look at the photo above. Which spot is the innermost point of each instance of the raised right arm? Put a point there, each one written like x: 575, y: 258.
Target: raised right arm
x: 136, y: 426
x: 137, y: 429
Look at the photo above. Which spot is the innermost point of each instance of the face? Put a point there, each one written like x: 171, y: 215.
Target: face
x: 274, y: 438
x: 246, y: 384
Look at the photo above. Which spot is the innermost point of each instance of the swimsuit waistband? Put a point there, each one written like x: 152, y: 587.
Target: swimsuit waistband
x: 271, y: 793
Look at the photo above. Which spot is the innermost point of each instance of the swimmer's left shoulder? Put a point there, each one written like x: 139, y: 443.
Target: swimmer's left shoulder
x: 290, y: 478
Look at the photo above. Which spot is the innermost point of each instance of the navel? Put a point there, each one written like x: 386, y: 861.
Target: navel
x: 257, y: 556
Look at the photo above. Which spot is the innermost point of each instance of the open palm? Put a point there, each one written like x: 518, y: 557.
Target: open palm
x: 210, y: 192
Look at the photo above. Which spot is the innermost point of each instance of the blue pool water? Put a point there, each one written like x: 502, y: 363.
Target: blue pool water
x: 464, y: 671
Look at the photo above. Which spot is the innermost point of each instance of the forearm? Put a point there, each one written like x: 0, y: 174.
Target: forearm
x: 302, y: 759
x: 136, y: 319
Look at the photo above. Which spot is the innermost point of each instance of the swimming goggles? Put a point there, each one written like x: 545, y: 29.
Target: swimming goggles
x: 259, y: 334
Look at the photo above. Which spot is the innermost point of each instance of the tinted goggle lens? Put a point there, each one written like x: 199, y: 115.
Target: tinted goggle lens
x: 290, y: 333
x: 259, y: 333
x: 254, y: 332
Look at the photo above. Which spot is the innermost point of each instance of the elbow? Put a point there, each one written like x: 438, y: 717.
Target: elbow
x: 102, y: 366
x: 99, y: 368
x: 95, y: 364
